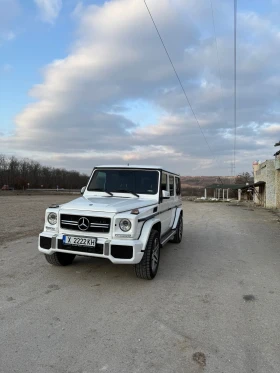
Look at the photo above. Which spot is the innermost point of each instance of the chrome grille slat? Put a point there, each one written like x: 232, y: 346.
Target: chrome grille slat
x: 99, y: 225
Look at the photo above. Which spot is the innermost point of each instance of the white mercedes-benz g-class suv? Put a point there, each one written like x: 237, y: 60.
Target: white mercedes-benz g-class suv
x: 126, y: 214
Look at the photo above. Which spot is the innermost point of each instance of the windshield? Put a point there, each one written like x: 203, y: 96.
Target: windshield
x: 125, y: 181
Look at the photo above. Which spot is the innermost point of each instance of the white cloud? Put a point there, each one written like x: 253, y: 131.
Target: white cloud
x: 6, y: 36
x: 79, y: 8
x: 49, y: 9
x: 9, y: 11
x: 272, y: 128
x: 6, y: 68
x: 117, y: 58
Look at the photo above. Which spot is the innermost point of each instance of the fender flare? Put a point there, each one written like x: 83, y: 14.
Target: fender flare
x: 179, y: 212
x: 146, y: 230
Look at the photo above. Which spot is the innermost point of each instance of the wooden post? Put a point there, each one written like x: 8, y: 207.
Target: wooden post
x: 227, y: 193
x: 219, y: 193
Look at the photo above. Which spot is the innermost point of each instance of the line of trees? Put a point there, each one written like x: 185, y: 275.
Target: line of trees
x: 26, y: 173
x: 245, y: 177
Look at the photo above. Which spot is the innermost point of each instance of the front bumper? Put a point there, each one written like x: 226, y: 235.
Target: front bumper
x: 117, y: 251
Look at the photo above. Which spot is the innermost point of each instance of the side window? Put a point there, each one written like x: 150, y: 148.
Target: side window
x: 171, y: 185
x: 164, y: 181
x: 178, y: 186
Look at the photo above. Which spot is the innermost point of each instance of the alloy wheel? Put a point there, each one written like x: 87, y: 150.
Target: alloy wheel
x: 181, y: 228
x: 155, y: 254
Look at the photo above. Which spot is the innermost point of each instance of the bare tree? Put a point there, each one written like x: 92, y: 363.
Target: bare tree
x: 245, y: 177
x: 21, y: 173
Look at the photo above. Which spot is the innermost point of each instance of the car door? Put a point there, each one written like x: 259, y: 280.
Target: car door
x: 164, y: 205
x: 172, y: 200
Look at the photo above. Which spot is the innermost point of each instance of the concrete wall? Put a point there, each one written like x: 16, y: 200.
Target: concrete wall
x: 268, y: 195
x: 270, y: 184
x: 277, y: 187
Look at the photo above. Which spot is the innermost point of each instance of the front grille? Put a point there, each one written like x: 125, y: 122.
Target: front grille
x: 98, y: 249
x: 96, y: 224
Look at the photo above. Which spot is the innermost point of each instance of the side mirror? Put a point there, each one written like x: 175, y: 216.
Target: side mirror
x: 83, y: 189
x: 165, y: 194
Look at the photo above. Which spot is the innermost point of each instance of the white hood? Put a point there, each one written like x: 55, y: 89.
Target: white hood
x: 107, y: 204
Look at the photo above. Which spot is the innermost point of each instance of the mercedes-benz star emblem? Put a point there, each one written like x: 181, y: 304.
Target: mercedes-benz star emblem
x: 83, y: 224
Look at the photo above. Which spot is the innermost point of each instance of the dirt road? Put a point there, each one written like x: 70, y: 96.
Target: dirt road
x: 23, y: 215
x: 213, y: 307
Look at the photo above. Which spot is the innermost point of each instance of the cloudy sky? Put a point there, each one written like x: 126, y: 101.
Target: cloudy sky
x: 88, y: 82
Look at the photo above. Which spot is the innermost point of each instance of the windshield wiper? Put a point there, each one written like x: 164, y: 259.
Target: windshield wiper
x: 102, y: 190
x: 126, y: 191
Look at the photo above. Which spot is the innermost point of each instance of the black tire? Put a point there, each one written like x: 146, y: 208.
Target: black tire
x: 179, y: 231
x: 60, y: 259
x: 148, y: 267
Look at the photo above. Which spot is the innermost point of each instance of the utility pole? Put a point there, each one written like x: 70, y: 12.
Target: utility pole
x: 234, y: 78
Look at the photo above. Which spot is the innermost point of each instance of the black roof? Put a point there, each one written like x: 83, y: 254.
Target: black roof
x: 226, y: 186
x: 259, y: 183
x: 234, y: 186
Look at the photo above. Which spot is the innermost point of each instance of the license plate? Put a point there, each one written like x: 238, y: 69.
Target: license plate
x: 79, y: 241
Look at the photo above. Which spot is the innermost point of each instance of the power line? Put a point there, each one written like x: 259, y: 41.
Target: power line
x: 179, y: 80
x: 218, y: 60
x: 215, y: 34
x: 234, y: 77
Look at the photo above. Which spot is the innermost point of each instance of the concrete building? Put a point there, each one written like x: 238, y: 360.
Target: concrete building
x: 267, y: 182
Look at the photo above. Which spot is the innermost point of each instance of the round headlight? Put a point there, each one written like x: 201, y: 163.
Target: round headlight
x: 125, y: 225
x: 52, y: 218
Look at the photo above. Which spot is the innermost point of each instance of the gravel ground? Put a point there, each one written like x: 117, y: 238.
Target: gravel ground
x: 23, y: 215
x: 213, y: 307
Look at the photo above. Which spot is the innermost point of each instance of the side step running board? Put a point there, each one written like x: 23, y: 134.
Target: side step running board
x: 167, y: 237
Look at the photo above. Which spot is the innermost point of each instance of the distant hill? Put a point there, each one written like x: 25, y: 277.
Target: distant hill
x: 194, y: 185
x: 203, y: 181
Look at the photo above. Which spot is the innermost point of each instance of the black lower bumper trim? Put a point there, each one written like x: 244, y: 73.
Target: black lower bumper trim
x: 45, y: 242
x: 122, y: 252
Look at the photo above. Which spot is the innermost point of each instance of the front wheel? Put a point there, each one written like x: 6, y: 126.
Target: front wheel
x: 179, y: 231
x: 60, y: 259
x: 148, y: 267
